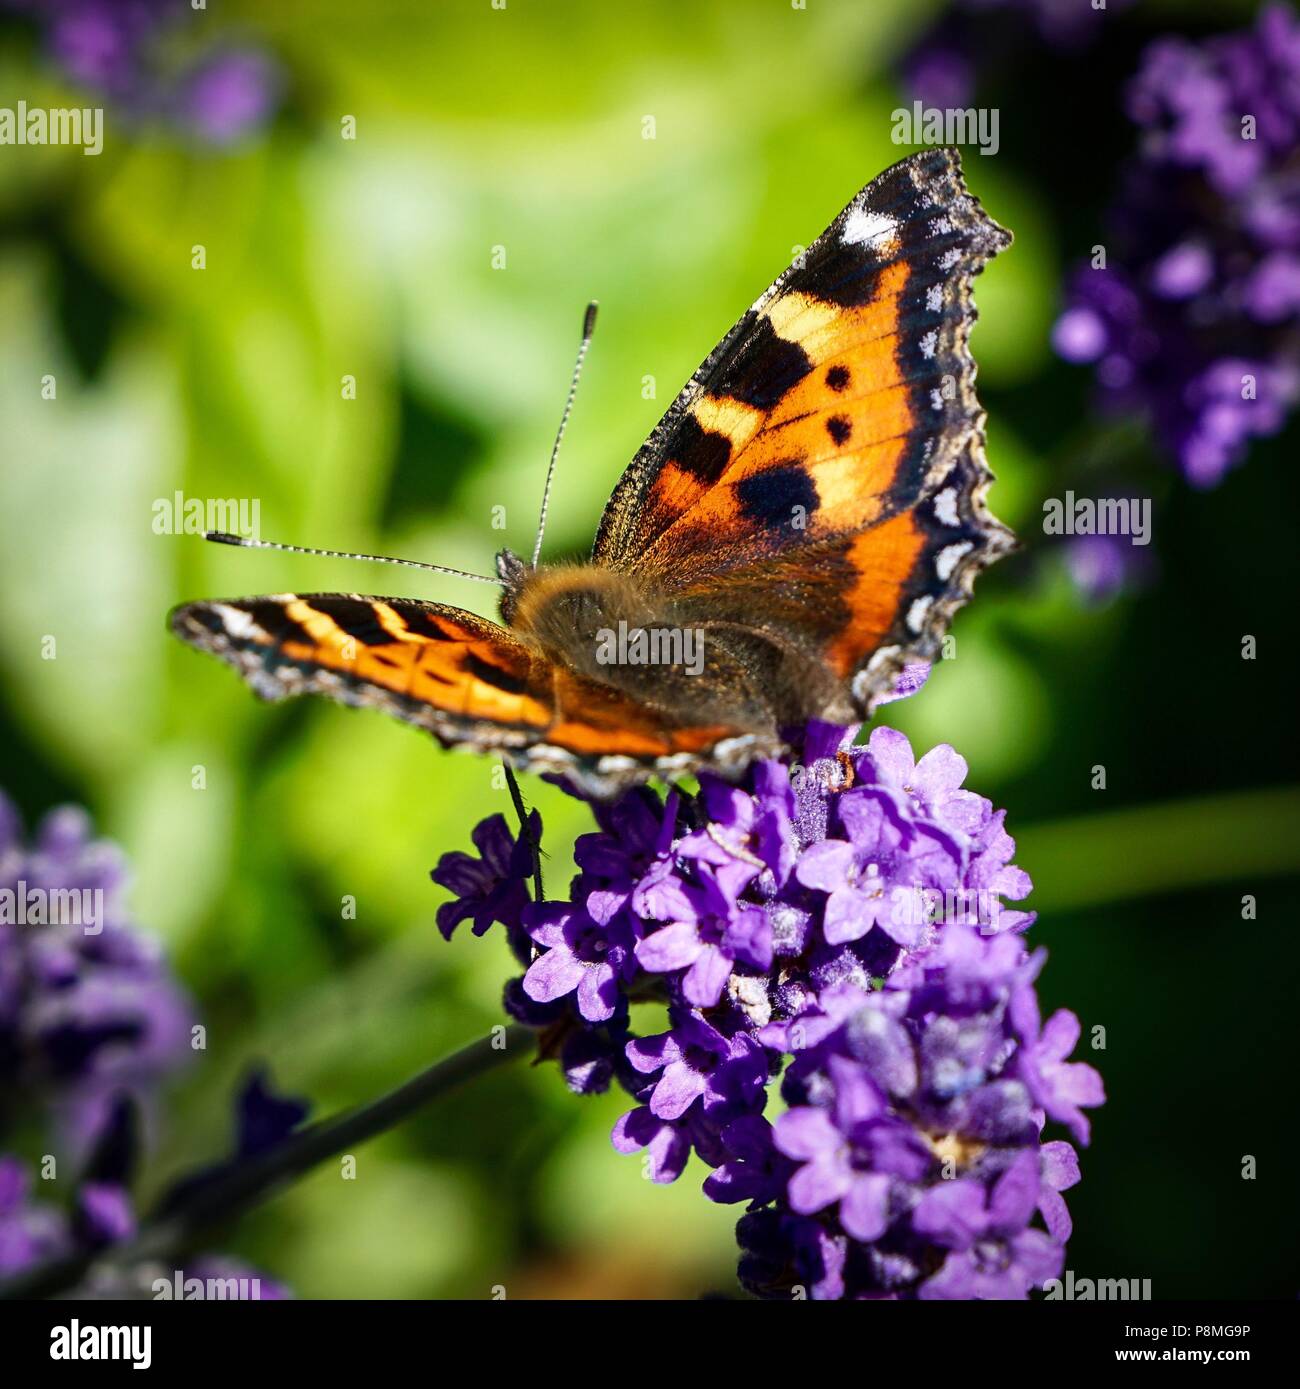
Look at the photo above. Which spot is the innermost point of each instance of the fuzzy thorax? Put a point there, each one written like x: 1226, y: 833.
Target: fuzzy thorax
x: 566, y: 607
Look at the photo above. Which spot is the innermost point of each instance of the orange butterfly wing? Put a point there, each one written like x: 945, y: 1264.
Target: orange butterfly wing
x: 467, y: 680
x: 822, y: 475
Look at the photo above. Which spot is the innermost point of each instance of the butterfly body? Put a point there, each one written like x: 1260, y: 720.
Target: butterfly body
x: 694, y: 659
x: 802, y: 523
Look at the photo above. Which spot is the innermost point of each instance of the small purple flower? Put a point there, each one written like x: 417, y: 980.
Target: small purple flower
x: 780, y: 1250
x: 591, y: 1057
x: 755, y: 1170
x: 694, y: 1061
x: 992, y: 874
x: 667, y: 1142
x: 995, y: 1253
x: 228, y: 95
x: 580, y: 957
x: 745, y: 834
x: 1103, y: 566
x: 830, y: 1173
x: 1060, y: 1173
x: 878, y: 878
x: 493, y: 887
x: 707, y: 945
x: 104, y: 1214
x: 1059, y: 1086
x: 636, y: 832
x: 932, y: 786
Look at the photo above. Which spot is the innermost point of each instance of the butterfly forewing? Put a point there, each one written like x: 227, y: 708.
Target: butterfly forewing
x: 834, y: 440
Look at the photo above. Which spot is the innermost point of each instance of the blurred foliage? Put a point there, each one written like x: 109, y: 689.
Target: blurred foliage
x: 325, y: 257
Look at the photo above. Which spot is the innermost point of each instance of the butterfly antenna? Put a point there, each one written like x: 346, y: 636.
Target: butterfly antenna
x: 224, y: 538
x: 588, y: 327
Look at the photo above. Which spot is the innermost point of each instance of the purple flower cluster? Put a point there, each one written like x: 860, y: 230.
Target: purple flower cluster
x: 91, y: 1024
x: 88, y: 1007
x: 118, y: 48
x: 840, y: 919
x: 35, y: 1232
x: 1194, y: 320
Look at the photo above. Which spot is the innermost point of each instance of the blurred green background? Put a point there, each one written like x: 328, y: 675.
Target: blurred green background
x: 523, y: 129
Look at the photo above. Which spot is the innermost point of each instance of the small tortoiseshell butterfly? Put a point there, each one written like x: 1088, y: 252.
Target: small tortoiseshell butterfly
x: 810, y: 509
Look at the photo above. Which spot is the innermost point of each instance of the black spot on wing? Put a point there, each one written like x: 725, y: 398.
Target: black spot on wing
x: 494, y: 675
x: 272, y: 618
x: 764, y: 369
x: 356, y: 618
x: 837, y: 378
x: 846, y: 276
x: 770, y: 497
x: 422, y: 624
x: 703, y: 453
x: 839, y: 427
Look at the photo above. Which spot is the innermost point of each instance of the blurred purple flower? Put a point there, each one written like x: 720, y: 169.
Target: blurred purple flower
x: 121, y: 49
x: 1102, y: 566
x: 88, y: 1007
x: 35, y: 1232
x: 1194, y: 321
x: 91, y: 1023
x: 30, y: 1231
x: 228, y: 95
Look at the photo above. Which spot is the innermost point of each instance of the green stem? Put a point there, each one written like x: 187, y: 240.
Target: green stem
x: 1095, y: 860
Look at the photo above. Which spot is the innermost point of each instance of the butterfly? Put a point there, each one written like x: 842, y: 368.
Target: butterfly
x: 802, y: 523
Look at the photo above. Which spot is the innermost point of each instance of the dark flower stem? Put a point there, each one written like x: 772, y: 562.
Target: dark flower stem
x: 252, y: 1181
x: 517, y: 796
